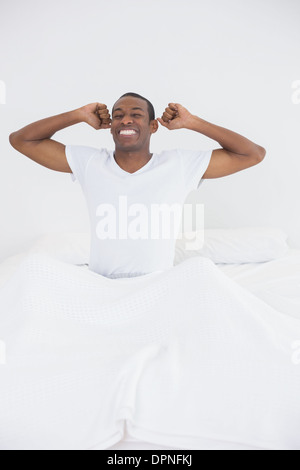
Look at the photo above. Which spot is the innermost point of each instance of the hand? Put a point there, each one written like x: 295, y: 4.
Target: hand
x: 96, y: 115
x: 175, y: 117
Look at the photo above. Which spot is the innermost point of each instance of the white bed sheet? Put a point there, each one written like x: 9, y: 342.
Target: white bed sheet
x: 276, y: 282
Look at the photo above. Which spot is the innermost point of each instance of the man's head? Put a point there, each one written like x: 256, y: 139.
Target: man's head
x: 133, y: 111
x: 150, y: 107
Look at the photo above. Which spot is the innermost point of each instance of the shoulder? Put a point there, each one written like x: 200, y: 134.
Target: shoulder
x: 168, y: 154
x: 193, y: 153
x: 194, y: 159
x: 83, y: 152
x: 85, y: 149
x: 185, y: 155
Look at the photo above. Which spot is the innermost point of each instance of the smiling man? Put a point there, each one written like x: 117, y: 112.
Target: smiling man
x: 132, y: 132
x: 134, y: 195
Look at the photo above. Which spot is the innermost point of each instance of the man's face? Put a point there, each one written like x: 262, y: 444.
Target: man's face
x: 132, y: 114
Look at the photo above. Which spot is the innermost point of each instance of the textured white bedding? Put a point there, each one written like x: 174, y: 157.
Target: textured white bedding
x: 276, y: 283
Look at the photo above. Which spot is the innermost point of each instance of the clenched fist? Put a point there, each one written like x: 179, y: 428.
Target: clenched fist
x: 96, y: 115
x: 175, y: 117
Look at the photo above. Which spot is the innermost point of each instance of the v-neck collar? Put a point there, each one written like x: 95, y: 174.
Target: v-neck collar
x: 112, y: 152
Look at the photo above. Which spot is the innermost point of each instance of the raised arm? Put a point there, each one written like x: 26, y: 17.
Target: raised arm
x: 34, y: 141
x: 237, y: 152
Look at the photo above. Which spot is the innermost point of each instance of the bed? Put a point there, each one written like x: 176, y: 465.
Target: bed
x: 259, y: 260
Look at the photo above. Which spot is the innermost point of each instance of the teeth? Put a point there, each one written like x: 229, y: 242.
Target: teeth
x: 127, y: 132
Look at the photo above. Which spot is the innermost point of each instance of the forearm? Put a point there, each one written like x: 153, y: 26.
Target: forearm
x: 228, y: 140
x: 46, y: 128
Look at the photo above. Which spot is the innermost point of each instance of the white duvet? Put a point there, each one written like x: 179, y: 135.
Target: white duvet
x: 177, y: 357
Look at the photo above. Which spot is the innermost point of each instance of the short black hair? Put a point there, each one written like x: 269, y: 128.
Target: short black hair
x: 151, y: 110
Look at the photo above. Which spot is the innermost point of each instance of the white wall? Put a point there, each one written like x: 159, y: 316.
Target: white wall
x: 230, y: 62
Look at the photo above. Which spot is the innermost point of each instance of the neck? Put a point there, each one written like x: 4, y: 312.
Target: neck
x: 131, y: 161
x: 132, y: 157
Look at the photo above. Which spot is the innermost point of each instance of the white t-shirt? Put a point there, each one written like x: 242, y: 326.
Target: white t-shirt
x: 135, y: 217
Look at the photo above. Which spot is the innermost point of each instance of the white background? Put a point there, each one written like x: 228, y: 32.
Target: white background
x: 231, y: 62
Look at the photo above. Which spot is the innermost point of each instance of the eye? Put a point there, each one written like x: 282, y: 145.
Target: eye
x: 116, y: 117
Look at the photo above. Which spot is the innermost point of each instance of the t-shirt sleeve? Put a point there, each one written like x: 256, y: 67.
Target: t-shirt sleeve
x: 194, y: 165
x: 78, y: 157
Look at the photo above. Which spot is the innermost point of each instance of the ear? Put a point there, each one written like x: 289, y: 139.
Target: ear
x: 154, y: 126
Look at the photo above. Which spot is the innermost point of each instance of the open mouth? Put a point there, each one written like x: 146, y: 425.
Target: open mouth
x: 128, y: 133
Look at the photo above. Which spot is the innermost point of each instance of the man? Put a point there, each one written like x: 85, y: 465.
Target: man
x: 131, y: 177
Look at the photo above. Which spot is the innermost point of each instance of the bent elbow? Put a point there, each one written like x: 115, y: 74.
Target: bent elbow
x: 13, y: 140
x: 261, y: 153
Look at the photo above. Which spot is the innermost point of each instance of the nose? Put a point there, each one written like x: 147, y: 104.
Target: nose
x: 127, y: 120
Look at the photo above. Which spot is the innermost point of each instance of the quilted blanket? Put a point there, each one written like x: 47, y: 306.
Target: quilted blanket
x: 174, y: 356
